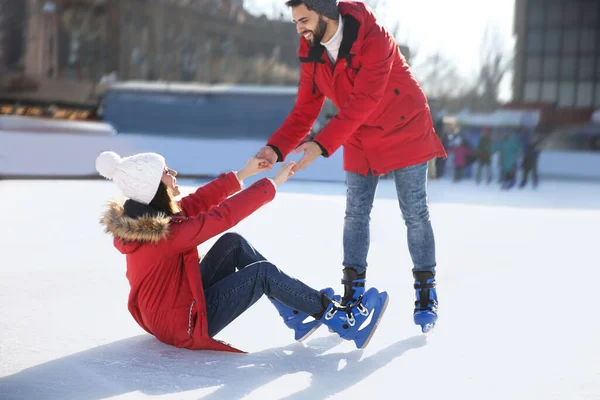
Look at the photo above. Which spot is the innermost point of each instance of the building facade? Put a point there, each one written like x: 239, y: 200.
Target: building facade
x: 12, y: 34
x: 558, y: 53
x: 176, y: 40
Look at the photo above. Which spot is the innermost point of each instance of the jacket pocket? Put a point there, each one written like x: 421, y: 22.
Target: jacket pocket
x: 401, y: 110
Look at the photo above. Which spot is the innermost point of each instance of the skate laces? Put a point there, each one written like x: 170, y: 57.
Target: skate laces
x: 347, y: 309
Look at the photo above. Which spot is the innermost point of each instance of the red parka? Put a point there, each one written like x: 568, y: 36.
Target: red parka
x: 384, y: 122
x: 166, y: 297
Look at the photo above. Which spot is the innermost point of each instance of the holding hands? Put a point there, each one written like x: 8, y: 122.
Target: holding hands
x: 256, y: 165
x: 267, y: 153
x: 253, y: 166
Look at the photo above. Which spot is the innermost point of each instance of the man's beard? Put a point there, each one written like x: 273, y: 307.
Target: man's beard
x: 318, y: 33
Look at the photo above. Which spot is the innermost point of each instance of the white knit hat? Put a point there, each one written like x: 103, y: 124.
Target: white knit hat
x: 137, y: 176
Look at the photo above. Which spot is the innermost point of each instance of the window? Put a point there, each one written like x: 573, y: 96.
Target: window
x: 568, y: 67
x: 534, y: 41
x: 534, y: 67
x: 549, y: 91
x: 588, y: 40
x: 586, y: 68
x: 554, y: 14
x: 572, y: 13
x: 551, y: 67
x: 535, y: 13
x: 585, y: 93
x: 570, y: 41
x: 566, y: 94
x: 532, y: 91
x: 590, y: 13
x: 552, y: 41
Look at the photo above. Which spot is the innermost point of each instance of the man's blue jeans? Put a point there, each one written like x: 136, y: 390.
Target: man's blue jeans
x: 411, y: 187
x: 235, y: 276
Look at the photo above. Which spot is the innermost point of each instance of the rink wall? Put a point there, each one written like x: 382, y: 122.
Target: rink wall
x: 41, y: 149
x: 577, y: 165
x: 63, y: 150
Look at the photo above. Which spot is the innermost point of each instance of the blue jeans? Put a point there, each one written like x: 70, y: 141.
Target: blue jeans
x: 235, y: 276
x: 411, y: 187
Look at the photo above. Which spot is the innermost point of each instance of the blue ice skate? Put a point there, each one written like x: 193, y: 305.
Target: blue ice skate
x: 354, y: 288
x: 347, y: 320
x: 302, y: 324
x: 425, y: 314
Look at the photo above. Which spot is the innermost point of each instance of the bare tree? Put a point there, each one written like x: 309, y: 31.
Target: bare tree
x: 495, y: 62
x: 377, y: 5
x: 439, y: 77
x: 276, y: 11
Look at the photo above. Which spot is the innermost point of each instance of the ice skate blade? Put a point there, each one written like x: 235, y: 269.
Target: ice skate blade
x: 427, y: 328
x: 309, y: 333
x: 375, y: 323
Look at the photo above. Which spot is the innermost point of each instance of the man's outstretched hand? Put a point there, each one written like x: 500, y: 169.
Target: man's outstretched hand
x: 267, y: 154
x: 311, y: 152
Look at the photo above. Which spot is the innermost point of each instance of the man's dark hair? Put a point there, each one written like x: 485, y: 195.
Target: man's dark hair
x: 296, y: 3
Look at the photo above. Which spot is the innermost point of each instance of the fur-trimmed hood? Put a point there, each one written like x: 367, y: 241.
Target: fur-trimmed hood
x: 135, y: 222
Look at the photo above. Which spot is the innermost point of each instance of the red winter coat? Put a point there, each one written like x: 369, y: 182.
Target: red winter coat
x: 166, y: 296
x: 384, y: 121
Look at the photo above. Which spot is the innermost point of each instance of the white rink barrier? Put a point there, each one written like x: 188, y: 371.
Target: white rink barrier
x: 10, y: 123
x: 69, y: 150
x: 565, y: 164
x: 63, y: 155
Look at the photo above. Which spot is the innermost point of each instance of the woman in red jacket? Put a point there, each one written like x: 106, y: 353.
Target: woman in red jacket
x: 185, y: 302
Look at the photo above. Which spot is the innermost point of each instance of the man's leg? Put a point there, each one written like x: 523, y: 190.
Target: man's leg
x: 411, y: 186
x: 359, y: 202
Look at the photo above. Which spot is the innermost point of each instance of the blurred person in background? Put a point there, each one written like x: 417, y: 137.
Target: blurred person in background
x: 384, y: 123
x: 440, y: 161
x: 509, y: 149
x: 484, y: 156
x: 185, y: 302
x: 461, y: 152
x: 530, y: 161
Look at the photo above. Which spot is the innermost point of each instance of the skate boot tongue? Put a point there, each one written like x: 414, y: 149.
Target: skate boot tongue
x: 354, y: 286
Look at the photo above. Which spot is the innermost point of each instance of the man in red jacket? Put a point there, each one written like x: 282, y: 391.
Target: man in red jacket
x: 384, y: 124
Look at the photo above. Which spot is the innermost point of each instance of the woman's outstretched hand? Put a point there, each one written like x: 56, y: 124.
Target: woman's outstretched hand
x: 284, y: 173
x: 253, y: 166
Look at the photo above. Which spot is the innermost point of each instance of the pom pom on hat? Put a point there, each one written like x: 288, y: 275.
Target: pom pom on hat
x: 137, y: 176
x: 106, y: 163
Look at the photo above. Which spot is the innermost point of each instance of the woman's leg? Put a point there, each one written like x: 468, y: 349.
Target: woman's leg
x: 230, y: 253
x: 229, y: 297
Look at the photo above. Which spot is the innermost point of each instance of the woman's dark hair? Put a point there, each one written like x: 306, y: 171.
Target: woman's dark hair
x: 163, y: 200
x: 296, y: 3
